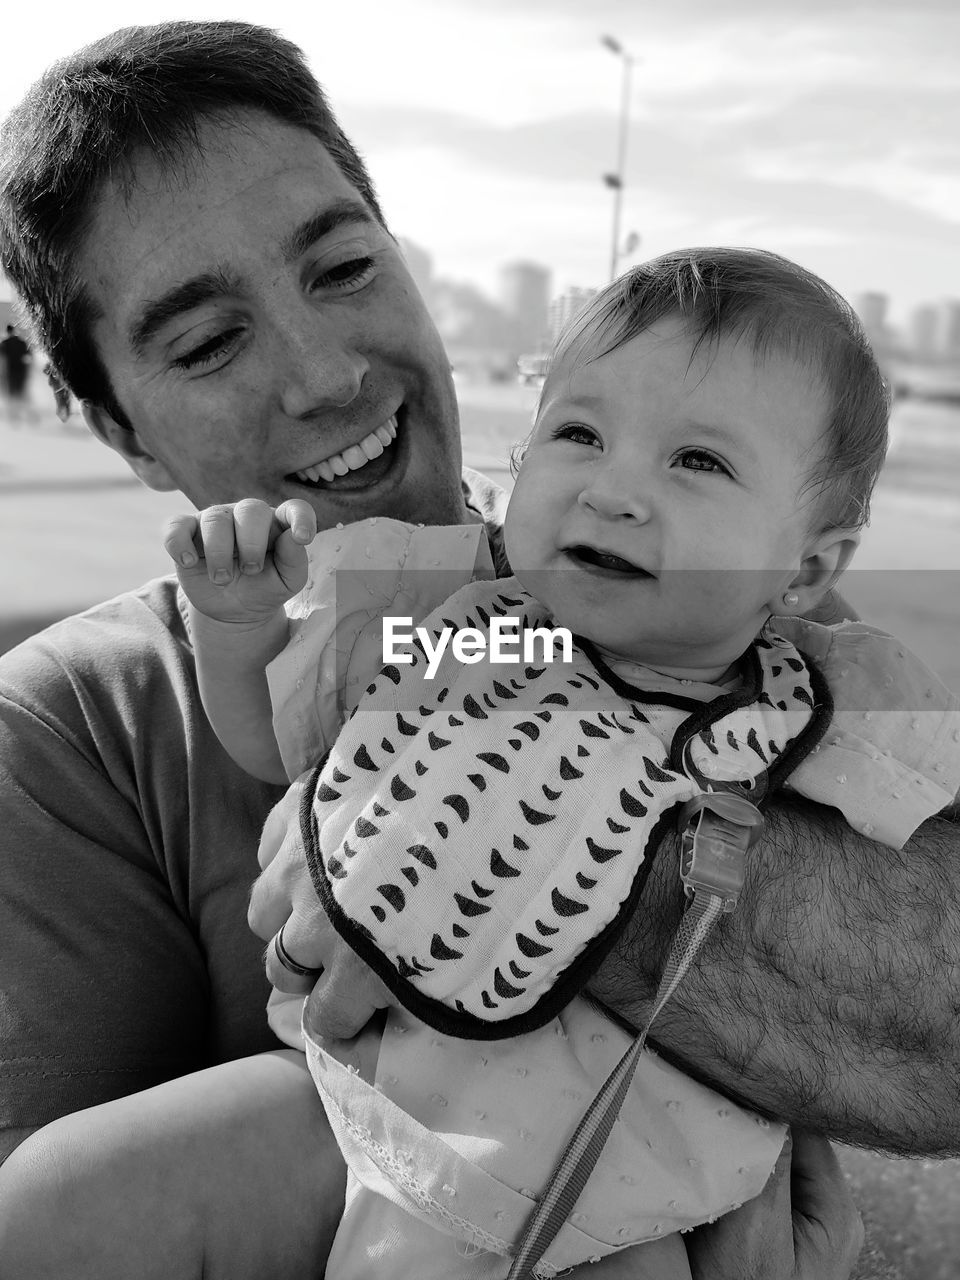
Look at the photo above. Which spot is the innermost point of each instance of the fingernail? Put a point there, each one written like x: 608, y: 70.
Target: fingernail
x: 250, y: 567
x: 188, y: 559
x: 221, y: 577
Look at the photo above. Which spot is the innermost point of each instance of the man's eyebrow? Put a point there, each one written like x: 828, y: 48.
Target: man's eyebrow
x: 322, y: 223
x: 153, y: 315
x: 216, y: 284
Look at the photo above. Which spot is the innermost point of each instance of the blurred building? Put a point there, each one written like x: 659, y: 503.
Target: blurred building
x: 476, y: 334
x: 565, y: 307
x: 950, y: 327
x: 928, y: 363
x: 923, y: 336
x: 872, y: 310
x: 524, y: 296
x: 934, y: 331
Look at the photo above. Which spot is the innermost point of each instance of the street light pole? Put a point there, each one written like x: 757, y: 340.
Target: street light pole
x: 617, y: 180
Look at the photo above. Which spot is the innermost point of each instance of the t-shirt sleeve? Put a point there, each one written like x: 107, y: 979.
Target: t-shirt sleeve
x: 891, y: 758
x: 104, y: 990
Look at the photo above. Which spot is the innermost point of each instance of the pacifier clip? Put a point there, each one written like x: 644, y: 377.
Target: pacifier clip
x: 717, y: 829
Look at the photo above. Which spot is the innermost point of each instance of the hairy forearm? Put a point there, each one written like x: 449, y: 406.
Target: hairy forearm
x: 231, y: 671
x: 232, y: 1172
x: 830, y: 997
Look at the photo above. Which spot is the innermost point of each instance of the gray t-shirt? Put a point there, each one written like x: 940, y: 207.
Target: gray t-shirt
x: 128, y: 845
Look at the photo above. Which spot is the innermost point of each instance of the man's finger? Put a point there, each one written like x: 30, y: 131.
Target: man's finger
x: 271, y: 898
x: 340, y: 1006
x: 284, y: 815
x: 281, y: 976
x: 816, y: 1174
x: 825, y: 1216
x: 755, y: 1242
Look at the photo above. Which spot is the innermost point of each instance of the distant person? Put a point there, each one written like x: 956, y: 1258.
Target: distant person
x: 701, y: 465
x: 15, y: 363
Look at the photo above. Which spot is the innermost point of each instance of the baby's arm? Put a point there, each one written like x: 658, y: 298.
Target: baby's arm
x: 238, y: 565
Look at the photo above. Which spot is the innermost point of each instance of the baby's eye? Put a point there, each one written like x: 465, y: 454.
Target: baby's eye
x: 577, y: 432
x: 700, y: 460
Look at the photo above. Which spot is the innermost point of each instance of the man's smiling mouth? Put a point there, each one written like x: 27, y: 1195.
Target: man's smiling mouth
x: 606, y: 561
x: 355, y: 457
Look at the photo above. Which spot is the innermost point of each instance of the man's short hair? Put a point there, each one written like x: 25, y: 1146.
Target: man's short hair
x: 82, y: 124
x: 779, y: 307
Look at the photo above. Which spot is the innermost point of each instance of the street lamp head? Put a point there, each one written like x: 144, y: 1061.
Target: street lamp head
x: 614, y: 46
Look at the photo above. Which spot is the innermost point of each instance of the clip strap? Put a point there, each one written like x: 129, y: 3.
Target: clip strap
x: 717, y: 829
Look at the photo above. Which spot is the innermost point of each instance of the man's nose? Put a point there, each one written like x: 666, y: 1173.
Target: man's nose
x: 322, y: 368
x: 612, y: 495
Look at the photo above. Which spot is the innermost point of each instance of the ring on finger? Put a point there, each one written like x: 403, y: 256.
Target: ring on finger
x: 287, y: 960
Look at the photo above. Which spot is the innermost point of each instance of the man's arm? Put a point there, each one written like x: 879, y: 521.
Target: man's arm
x: 829, y: 998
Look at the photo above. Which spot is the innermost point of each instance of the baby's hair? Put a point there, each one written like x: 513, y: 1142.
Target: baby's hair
x: 780, y: 308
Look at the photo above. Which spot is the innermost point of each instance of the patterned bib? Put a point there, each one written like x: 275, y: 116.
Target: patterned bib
x: 480, y: 838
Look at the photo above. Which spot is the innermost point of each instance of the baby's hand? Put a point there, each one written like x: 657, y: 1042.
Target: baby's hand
x: 242, y: 562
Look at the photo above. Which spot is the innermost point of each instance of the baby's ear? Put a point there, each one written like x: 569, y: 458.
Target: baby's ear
x: 824, y: 559
x: 126, y: 442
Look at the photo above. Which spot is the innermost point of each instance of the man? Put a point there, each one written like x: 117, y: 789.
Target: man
x: 14, y: 373
x: 204, y: 259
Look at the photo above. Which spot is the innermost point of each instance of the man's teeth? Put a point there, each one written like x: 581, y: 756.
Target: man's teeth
x: 352, y: 458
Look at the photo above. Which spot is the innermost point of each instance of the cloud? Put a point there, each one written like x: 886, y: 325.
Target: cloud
x: 840, y: 158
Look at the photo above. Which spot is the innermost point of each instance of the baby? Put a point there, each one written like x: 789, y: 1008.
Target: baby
x: 705, y: 447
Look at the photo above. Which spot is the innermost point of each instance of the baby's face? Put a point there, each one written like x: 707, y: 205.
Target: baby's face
x: 658, y: 509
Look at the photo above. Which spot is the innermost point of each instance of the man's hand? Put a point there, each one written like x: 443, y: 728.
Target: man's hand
x: 803, y: 1226
x: 347, y: 993
x: 241, y: 562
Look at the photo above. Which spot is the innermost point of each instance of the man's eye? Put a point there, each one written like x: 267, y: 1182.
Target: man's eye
x: 576, y: 432
x: 342, y: 275
x: 700, y: 460
x: 208, y: 352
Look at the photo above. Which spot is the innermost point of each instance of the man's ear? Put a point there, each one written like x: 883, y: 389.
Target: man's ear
x: 824, y: 560
x: 126, y: 442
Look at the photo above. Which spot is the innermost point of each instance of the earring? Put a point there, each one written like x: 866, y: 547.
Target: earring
x: 790, y: 598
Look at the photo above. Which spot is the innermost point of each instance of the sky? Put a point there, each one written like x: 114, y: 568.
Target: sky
x: 827, y: 130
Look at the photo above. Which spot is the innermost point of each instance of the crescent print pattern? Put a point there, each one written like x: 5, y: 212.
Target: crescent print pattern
x: 479, y: 838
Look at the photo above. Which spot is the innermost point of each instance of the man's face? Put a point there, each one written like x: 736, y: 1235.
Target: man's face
x: 264, y: 337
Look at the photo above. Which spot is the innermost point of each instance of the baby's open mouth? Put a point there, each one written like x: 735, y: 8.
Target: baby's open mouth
x: 363, y: 457
x: 596, y: 559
